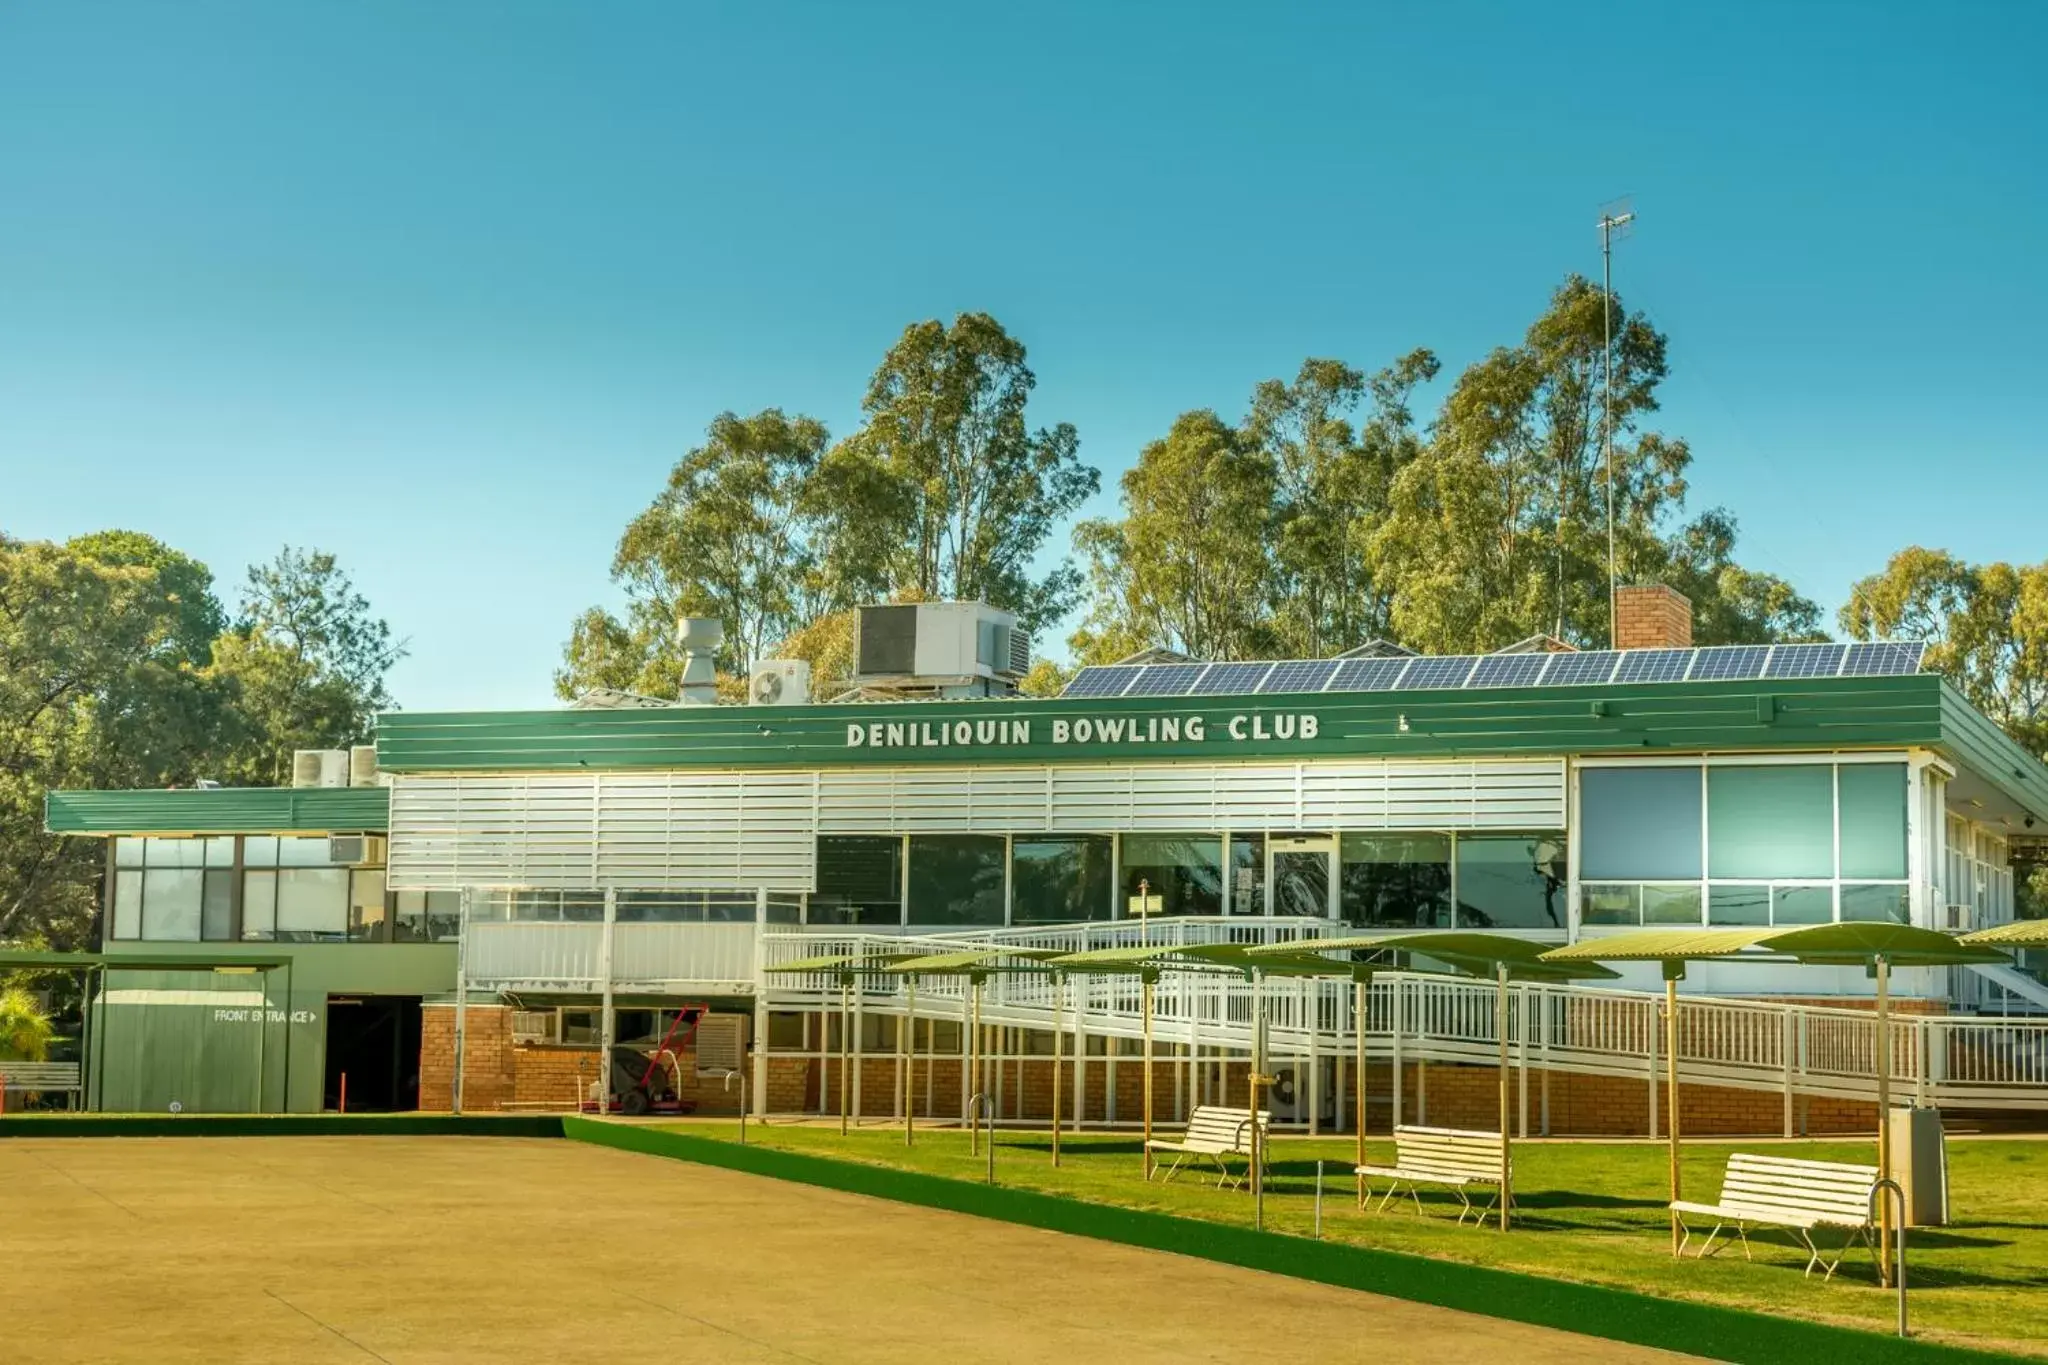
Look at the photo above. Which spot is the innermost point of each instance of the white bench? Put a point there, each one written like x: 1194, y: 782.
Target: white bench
x: 1459, y: 1159
x: 42, y: 1078
x: 1803, y: 1197
x: 1217, y: 1134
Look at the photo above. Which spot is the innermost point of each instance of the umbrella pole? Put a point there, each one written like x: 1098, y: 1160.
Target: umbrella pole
x: 910, y: 1064
x: 1671, y: 1085
x: 1059, y: 1023
x: 1145, y: 992
x: 845, y: 1078
x: 1361, y: 991
x: 1500, y: 1015
x: 1257, y: 1079
x: 974, y: 1076
x: 1884, y: 1117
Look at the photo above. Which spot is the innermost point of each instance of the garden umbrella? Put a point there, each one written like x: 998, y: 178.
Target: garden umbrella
x: 843, y: 967
x: 1473, y: 953
x: 977, y: 965
x: 1875, y: 945
x: 2021, y: 933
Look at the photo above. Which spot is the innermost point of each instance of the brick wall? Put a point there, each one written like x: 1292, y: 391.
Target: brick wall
x: 497, y: 1072
x: 1651, y: 616
x: 487, y: 1074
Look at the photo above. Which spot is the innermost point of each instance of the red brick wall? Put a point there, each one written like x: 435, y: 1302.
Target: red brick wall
x: 498, y: 1072
x: 487, y: 1075
x: 1651, y: 616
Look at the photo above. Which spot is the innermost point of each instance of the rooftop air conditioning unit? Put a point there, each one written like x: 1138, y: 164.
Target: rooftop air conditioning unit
x: 356, y: 850
x: 779, y: 682
x: 939, y: 642
x: 362, y: 765
x: 320, y: 768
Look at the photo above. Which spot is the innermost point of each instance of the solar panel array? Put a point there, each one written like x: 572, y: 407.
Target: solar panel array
x: 1718, y: 663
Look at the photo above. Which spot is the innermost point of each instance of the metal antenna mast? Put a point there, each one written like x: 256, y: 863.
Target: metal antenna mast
x: 1613, y: 220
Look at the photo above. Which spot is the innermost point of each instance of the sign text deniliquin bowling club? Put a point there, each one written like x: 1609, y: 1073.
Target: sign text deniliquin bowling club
x: 1126, y: 731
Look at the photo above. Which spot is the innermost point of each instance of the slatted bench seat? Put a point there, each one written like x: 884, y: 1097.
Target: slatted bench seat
x: 1805, y: 1198
x: 42, y: 1078
x: 1215, y: 1134
x: 1459, y: 1159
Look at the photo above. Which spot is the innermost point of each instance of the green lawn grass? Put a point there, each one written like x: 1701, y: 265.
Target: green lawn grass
x: 1592, y: 1212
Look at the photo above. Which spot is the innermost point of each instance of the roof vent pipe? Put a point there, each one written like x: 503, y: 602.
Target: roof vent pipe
x: 700, y: 637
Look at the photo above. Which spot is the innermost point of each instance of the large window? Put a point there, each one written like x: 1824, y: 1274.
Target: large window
x: 173, y: 890
x: 1060, y: 878
x: 860, y: 880
x: 1511, y: 881
x: 1184, y: 870
x: 1399, y: 880
x: 956, y: 879
x: 1743, y: 844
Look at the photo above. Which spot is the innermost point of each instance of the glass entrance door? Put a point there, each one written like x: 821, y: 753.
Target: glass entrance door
x: 1301, y: 876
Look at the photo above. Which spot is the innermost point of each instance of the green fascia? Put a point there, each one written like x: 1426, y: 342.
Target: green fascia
x: 1975, y: 743
x: 220, y: 810
x: 1774, y: 714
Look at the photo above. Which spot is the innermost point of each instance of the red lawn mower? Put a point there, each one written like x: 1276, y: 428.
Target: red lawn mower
x: 650, y: 1081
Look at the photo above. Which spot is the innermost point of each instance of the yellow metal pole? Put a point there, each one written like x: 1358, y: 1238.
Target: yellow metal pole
x: 1360, y: 993
x: 910, y: 1063
x: 1500, y: 1016
x: 974, y: 1072
x: 845, y: 1050
x: 1145, y: 993
x: 1059, y: 1001
x: 1884, y: 1117
x: 1671, y: 1089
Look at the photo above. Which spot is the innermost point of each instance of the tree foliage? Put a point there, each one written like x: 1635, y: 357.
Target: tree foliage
x: 25, y: 1031
x: 1986, y: 626
x: 118, y: 669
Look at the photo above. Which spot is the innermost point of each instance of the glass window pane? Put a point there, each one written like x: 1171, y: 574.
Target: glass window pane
x: 1247, y: 874
x: 302, y: 853
x: 542, y: 906
x: 427, y: 916
x: 1600, y: 904
x: 728, y: 907
x: 1060, y: 878
x: 860, y: 880
x: 128, y: 852
x: 785, y: 910
x: 1727, y: 905
x: 170, y: 904
x: 1771, y: 821
x: 1396, y: 879
x: 312, y: 904
x: 659, y: 907
x: 1639, y: 824
x: 1873, y: 799
x: 1298, y: 873
x: 259, y: 905
x: 128, y: 902
x: 176, y: 853
x: 1802, y: 905
x: 1513, y: 881
x: 584, y: 907
x: 1184, y: 870
x: 217, y: 906
x: 220, y: 851
x: 956, y: 879
x: 1875, y: 903
x: 1672, y: 904
x: 366, y: 908
x: 259, y: 850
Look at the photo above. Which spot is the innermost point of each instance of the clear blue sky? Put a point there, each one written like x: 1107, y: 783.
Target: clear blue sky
x: 445, y: 288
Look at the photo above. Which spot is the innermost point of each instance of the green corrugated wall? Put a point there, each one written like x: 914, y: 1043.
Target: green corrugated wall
x: 219, y: 810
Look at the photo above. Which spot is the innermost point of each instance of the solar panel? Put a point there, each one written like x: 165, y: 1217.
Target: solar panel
x: 1883, y: 659
x: 1805, y: 661
x: 1165, y: 680
x: 1299, y: 675
x: 1368, y: 675
x: 1730, y: 663
x: 1101, y: 681
x: 1228, y: 679
x: 1591, y: 666
x: 1653, y: 665
x: 1508, y: 670
x: 1448, y: 670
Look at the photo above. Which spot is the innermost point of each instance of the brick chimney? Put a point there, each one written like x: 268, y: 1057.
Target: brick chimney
x: 1652, y: 616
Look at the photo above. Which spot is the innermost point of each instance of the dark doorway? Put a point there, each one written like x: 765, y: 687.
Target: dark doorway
x: 374, y: 1040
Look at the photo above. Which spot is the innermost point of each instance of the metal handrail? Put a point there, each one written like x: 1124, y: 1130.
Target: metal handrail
x: 741, y: 1077
x: 1887, y: 1183
x: 977, y: 1103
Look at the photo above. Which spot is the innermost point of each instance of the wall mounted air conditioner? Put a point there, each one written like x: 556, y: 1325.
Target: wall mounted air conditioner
x: 356, y: 850
x: 779, y: 682
x: 533, y: 1026
x: 320, y: 768
x: 721, y: 1044
x: 1958, y: 919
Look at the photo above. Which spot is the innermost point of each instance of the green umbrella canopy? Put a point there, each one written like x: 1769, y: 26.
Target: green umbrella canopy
x: 972, y: 962
x: 1854, y: 943
x: 1141, y: 960
x: 1476, y: 954
x: 2021, y: 933
x: 841, y: 962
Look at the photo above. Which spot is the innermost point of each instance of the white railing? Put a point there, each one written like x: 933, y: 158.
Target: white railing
x: 1744, y: 1044
x: 537, y: 954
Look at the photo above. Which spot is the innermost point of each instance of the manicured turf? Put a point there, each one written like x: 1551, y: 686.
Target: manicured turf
x: 1592, y: 1213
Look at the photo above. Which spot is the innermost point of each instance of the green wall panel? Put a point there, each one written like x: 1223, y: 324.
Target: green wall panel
x: 219, y: 810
